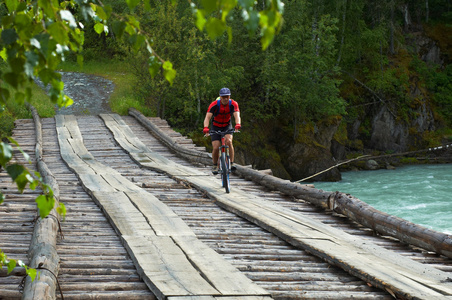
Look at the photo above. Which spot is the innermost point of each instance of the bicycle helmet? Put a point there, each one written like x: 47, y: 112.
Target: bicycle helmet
x: 225, y: 92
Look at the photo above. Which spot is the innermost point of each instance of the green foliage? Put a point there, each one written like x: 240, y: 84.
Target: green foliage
x: 409, y: 161
x: 439, y: 84
x: 12, y: 263
x: 14, y: 110
x: 269, y: 19
x: 304, y: 80
x: 205, y: 66
x: 6, y: 124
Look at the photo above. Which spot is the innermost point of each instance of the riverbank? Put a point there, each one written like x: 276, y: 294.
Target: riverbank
x: 436, y: 155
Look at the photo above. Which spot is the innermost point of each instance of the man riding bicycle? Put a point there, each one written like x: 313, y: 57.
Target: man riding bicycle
x: 221, y: 109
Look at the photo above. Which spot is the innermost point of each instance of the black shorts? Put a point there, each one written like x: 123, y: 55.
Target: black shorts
x: 217, y: 137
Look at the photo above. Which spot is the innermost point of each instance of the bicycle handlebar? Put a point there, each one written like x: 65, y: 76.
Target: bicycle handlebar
x: 221, y: 133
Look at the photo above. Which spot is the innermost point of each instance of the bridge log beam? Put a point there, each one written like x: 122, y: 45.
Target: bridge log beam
x: 42, y: 254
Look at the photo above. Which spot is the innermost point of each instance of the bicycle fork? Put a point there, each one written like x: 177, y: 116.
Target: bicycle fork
x: 225, y: 149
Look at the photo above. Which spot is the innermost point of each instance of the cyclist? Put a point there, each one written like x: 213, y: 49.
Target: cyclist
x: 221, y: 110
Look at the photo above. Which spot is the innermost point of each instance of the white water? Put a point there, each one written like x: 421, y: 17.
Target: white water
x: 421, y: 194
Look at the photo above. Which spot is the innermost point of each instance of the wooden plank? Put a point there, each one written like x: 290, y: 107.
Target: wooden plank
x: 123, y: 215
x: 170, y: 273
x: 166, y: 166
x: 122, y: 133
x: 192, y: 298
x: 79, y: 149
x: 67, y: 151
x: 190, y: 154
x: 96, y: 183
x: 161, y: 218
x: 220, y: 273
x: 120, y: 183
x: 70, y: 123
x: 220, y: 298
x: 140, y: 153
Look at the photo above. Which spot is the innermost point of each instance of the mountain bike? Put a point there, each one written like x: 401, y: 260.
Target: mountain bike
x: 225, y: 162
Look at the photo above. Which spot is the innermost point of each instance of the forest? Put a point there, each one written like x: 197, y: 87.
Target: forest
x: 341, y: 78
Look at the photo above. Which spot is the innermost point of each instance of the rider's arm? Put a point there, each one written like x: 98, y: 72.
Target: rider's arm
x: 207, y: 119
x: 237, y: 117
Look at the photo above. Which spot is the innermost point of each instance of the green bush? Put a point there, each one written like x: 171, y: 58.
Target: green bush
x: 6, y: 124
x: 409, y: 160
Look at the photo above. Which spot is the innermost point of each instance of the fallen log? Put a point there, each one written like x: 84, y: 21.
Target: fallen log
x: 386, y: 224
x: 42, y: 253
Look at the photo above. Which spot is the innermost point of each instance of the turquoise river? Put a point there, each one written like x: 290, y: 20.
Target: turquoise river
x: 421, y: 194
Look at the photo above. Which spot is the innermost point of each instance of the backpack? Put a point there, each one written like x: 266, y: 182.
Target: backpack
x: 231, y: 107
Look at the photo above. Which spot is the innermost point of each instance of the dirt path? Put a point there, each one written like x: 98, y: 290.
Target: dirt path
x: 90, y: 94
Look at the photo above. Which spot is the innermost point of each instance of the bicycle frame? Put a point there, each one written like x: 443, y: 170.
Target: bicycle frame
x: 225, y: 163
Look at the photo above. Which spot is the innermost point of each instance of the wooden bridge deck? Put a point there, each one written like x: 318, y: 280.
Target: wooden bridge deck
x: 254, y: 243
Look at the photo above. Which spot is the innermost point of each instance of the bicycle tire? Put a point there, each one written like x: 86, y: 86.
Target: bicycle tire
x: 224, y: 172
x: 228, y: 169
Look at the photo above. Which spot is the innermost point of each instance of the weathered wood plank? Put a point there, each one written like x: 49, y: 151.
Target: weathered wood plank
x: 162, y: 219
x: 123, y: 215
x: 108, y: 295
x: 190, y: 154
x: 170, y: 273
x: 123, y: 134
x: 70, y: 123
x: 223, y: 276
x: 219, y: 298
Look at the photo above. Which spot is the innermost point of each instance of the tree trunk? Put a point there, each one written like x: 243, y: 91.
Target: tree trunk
x: 406, y: 16
x: 427, y: 11
x: 391, y: 30
x: 343, y: 33
x: 158, y: 108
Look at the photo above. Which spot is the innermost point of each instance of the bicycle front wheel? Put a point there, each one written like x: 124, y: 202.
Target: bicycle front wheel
x: 225, y: 172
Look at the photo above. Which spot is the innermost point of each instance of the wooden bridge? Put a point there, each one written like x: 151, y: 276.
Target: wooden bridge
x: 147, y: 220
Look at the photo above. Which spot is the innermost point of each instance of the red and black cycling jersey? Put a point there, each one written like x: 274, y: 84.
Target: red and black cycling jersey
x: 222, y: 113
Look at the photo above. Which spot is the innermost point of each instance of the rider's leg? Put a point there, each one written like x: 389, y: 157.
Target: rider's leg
x: 228, y: 142
x: 215, y: 155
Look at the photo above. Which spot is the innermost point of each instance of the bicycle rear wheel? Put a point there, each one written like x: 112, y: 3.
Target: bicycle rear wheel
x: 224, y: 163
